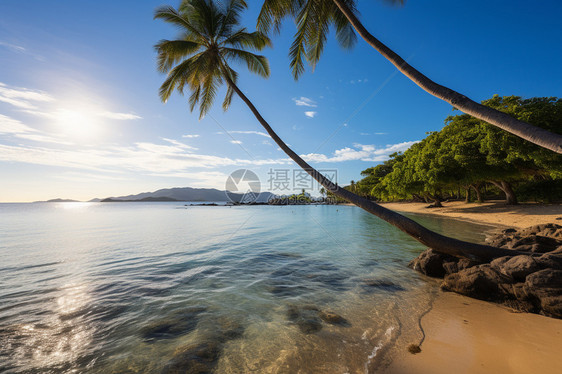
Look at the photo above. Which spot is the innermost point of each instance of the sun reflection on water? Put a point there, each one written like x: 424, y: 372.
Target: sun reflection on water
x: 59, y: 339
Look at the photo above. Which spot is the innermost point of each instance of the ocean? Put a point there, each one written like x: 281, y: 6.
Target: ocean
x: 170, y: 288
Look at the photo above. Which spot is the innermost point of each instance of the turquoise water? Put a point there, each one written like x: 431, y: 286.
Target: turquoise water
x: 139, y: 287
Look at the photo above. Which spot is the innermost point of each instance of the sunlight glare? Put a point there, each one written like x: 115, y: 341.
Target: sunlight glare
x: 79, y: 123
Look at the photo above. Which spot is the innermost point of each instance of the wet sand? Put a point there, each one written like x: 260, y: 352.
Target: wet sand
x: 495, y: 213
x: 464, y: 335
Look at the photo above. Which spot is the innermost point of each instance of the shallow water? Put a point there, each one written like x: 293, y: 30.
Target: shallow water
x: 161, y: 287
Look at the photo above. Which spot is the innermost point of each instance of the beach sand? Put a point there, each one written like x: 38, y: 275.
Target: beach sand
x: 494, y: 213
x: 464, y: 335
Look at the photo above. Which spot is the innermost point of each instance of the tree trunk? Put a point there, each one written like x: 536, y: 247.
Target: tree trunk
x: 510, y: 198
x: 438, y: 242
x: 476, y: 188
x: 536, y: 135
x: 467, y: 196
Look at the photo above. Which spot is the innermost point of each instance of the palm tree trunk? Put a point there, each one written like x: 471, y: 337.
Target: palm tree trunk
x: 425, y: 236
x: 536, y: 135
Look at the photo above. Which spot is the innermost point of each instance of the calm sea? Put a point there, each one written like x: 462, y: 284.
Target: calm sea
x: 164, y: 287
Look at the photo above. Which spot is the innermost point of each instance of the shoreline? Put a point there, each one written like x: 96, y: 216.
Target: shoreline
x: 491, y: 213
x: 464, y: 335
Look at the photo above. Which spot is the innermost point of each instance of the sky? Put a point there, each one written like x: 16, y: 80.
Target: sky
x: 80, y: 116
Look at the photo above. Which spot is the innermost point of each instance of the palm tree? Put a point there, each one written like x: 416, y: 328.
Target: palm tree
x: 314, y: 18
x: 199, y: 61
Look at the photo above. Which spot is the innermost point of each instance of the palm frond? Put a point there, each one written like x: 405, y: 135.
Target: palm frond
x: 297, y: 52
x: 243, y: 39
x: 171, y: 52
x: 255, y: 63
x: 197, y: 60
x: 231, y: 17
x: 345, y: 33
x: 273, y: 12
x: 172, y: 16
x: 318, y: 32
x: 210, y: 87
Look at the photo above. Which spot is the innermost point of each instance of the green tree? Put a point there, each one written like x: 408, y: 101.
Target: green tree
x: 468, y: 152
x: 199, y: 61
x: 313, y: 19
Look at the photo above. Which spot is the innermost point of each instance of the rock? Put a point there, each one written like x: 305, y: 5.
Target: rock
x: 176, y: 324
x: 518, y: 267
x: 546, y: 287
x: 549, y: 260
x: 497, y: 263
x: 430, y: 263
x: 536, y: 243
x: 481, y: 282
x: 333, y: 318
x: 527, y: 282
x: 381, y: 284
x: 547, y: 278
x: 309, y: 318
x: 414, y: 349
x: 552, y: 306
x: 309, y: 322
x: 195, y: 358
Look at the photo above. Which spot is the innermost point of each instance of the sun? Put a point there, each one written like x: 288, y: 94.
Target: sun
x: 78, y: 123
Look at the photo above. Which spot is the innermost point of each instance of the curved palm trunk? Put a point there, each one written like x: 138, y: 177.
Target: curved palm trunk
x: 425, y: 236
x: 536, y: 135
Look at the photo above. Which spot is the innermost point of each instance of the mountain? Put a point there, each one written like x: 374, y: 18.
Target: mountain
x: 187, y: 194
x: 58, y: 201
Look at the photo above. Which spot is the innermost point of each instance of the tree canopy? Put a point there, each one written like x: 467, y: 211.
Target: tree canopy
x: 468, y: 152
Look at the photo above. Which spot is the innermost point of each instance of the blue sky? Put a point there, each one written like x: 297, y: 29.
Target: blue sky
x: 80, y: 116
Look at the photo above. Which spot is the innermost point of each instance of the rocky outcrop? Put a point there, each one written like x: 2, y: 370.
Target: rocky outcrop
x: 530, y: 282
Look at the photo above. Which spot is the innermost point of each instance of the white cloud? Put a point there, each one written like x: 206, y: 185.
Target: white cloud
x: 236, y: 142
x: 310, y: 114
x: 190, y: 136
x: 22, y: 98
x: 305, y: 101
x: 43, y: 138
x: 360, y: 152
x: 13, y: 126
x: 20, y: 49
x: 141, y: 157
x: 13, y: 47
x: 120, y: 116
x: 179, y: 144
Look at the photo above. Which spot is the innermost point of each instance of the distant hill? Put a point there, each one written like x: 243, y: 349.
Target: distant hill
x: 186, y: 194
x: 150, y: 198
x: 58, y: 201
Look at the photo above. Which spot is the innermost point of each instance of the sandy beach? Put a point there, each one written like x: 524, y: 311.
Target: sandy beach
x: 465, y: 335
x: 494, y: 212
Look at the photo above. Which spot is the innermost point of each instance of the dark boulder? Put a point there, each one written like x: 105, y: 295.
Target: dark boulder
x: 518, y: 267
x: 430, y: 263
x: 481, y: 282
x: 529, y: 283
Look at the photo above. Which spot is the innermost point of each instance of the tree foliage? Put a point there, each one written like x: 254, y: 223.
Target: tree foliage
x: 468, y: 152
